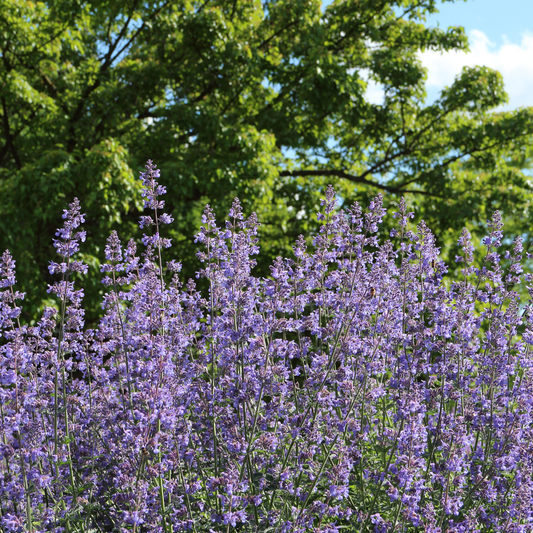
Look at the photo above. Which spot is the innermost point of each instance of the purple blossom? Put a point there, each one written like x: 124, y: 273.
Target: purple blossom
x: 358, y: 387
x: 69, y: 239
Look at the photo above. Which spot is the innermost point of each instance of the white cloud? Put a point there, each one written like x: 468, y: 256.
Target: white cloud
x: 513, y: 61
x: 374, y: 93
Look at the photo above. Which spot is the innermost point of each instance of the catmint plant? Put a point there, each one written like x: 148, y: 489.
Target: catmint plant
x: 359, y: 387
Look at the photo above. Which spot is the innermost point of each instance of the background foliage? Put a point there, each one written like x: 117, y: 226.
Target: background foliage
x: 261, y: 100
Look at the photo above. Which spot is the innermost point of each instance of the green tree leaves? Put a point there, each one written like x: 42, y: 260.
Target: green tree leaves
x: 262, y: 100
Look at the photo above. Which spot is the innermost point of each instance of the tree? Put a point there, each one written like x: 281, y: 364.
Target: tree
x: 261, y: 100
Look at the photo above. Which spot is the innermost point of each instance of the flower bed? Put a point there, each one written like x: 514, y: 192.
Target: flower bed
x: 352, y: 390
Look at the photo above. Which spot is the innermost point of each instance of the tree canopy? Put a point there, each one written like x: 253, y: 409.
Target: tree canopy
x: 264, y: 100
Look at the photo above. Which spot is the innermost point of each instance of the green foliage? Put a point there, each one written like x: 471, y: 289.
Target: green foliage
x: 261, y: 100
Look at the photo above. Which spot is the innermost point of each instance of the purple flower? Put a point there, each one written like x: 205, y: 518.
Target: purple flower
x: 358, y: 386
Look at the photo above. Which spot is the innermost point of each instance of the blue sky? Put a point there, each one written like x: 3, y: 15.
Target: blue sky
x: 501, y: 37
x: 497, y: 19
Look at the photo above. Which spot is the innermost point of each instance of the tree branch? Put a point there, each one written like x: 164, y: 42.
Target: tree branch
x: 134, y: 36
x: 277, y: 34
x: 4, y: 150
x: 9, y: 136
x: 393, y: 189
x: 355, y: 179
x: 36, y: 47
x: 108, y: 61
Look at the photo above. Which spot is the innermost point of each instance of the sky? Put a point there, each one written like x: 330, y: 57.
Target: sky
x: 501, y: 37
x: 500, y: 33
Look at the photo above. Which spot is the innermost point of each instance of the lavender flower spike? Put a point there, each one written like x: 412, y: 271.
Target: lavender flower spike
x: 360, y: 387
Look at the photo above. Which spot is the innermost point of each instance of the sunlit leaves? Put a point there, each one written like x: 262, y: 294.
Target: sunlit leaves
x: 239, y: 98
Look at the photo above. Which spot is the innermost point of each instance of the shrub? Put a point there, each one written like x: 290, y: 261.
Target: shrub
x: 352, y: 389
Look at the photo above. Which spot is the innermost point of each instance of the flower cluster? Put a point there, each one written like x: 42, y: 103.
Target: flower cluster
x: 356, y: 388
